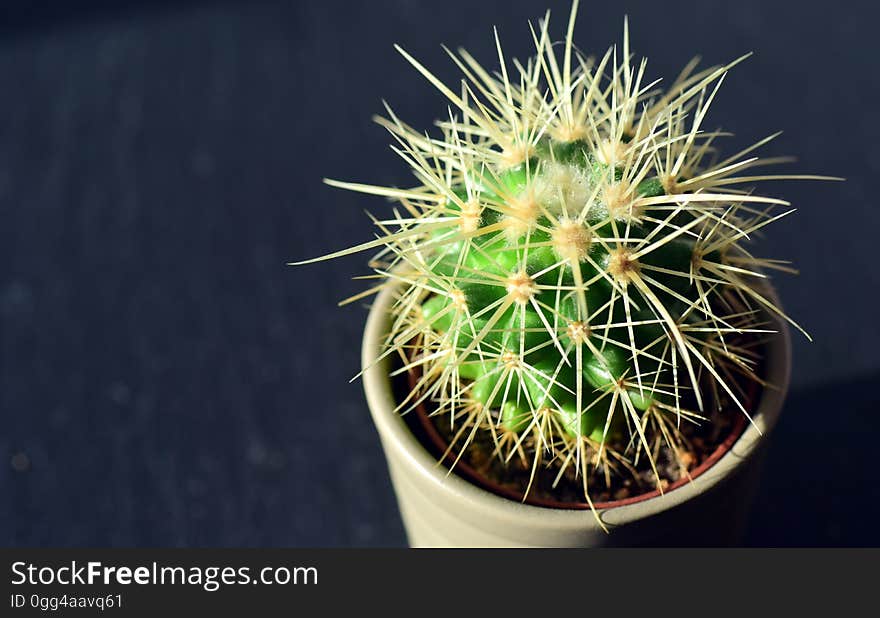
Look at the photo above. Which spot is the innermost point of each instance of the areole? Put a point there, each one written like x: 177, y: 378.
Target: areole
x: 443, y: 509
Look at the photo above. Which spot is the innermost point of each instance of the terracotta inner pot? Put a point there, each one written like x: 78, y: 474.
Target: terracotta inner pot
x: 465, y: 470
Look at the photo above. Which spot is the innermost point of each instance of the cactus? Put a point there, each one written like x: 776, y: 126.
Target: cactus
x: 571, y: 271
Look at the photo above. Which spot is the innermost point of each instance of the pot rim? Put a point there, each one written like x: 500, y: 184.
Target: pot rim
x: 396, y: 435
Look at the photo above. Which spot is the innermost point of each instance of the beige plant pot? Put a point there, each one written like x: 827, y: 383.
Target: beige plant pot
x: 440, y: 509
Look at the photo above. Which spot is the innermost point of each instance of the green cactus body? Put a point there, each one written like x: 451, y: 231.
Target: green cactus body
x: 533, y: 329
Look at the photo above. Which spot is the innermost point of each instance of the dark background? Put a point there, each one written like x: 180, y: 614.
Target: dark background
x: 166, y: 380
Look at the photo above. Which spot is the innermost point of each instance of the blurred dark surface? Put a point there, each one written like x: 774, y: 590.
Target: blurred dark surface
x: 820, y: 484
x: 165, y: 379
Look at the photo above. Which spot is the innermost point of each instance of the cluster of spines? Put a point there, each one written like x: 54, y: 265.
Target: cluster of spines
x: 571, y: 268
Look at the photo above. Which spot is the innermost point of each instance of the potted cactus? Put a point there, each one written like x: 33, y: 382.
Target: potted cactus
x: 572, y: 343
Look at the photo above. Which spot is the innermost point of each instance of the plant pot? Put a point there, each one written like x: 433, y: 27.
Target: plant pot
x: 442, y: 509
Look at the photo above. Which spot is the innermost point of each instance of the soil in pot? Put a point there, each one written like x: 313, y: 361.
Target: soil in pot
x: 706, y: 444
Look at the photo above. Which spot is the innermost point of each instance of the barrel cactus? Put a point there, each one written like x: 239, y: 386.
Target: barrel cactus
x: 572, y: 272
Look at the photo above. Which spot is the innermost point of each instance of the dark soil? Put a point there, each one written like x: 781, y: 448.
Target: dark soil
x: 510, y: 479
